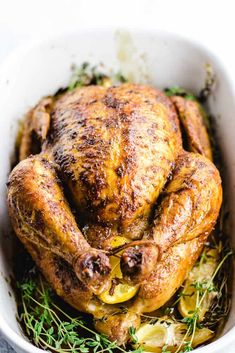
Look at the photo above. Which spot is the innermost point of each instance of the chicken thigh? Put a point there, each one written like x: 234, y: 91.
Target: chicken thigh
x: 104, y: 179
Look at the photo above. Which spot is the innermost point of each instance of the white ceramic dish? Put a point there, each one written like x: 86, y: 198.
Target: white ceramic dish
x: 160, y: 58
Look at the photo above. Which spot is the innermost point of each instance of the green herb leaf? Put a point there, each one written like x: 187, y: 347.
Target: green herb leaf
x: 178, y: 91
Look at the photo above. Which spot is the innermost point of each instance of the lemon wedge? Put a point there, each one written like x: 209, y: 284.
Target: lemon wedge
x: 152, y: 337
x: 201, y: 273
x: 118, y: 240
x: 122, y: 291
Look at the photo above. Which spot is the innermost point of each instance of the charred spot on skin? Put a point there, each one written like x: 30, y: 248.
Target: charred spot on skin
x: 124, y: 117
x: 73, y: 135
x: 91, y: 102
x: 147, y: 101
x: 120, y: 171
x: 139, y: 260
x: 66, y: 275
x: 47, y: 163
x: 93, y: 265
x: 130, y: 162
x: 90, y: 140
x: 93, y: 270
x: 39, y: 220
x: 110, y: 123
x: 36, y: 143
x: 131, y: 261
x: 112, y: 102
x: 115, y: 282
x: 63, y: 159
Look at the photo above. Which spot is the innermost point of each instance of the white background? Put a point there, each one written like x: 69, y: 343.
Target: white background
x: 210, y: 22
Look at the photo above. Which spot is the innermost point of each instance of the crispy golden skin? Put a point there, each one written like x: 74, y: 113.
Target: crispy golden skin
x: 112, y: 163
x: 101, y: 137
x: 36, y: 127
x: 191, y: 117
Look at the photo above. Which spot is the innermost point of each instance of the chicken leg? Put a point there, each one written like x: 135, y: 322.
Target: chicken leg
x: 189, y: 208
x: 41, y: 216
x: 169, y: 274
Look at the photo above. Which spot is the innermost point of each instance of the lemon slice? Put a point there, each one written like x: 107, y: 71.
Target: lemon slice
x: 115, y: 260
x: 200, y: 273
x: 168, y: 333
x: 122, y: 291
x: 202, y: 335
x: 118, y: 240
x: 152, y: 337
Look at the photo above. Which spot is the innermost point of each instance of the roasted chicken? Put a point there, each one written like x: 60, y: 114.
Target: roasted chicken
x: 109, y: 204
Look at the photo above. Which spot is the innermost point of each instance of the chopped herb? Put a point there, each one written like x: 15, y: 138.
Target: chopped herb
x: 120, y: 78
x: 86, y: 75
x: 178, y: 91
x: 132, y: 331
x: 165, y: 349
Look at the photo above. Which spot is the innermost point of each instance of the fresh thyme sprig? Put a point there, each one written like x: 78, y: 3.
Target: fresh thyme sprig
x: 132, y: 333
x: 51, y: 328
x: 192, y: 322
x: 85, y: 75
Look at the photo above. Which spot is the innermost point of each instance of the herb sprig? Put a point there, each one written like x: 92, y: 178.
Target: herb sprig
x: 51, y: 328
x: 192, y: 322
x: 179, y: 91
x: 85, y: 75
x: 216, y: 283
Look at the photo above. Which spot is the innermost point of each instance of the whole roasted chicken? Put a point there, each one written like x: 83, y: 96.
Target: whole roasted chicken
x: 110, y: 205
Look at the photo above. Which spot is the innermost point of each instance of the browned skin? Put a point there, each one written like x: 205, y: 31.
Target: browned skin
x: 107, y: 154
x: 191, y: 117
x: 36, y: 127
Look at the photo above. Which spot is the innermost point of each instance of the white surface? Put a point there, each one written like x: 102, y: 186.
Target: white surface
x: 210, y: 22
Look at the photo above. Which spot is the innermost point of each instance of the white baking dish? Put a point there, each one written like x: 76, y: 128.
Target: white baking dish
x: 161, y: 59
